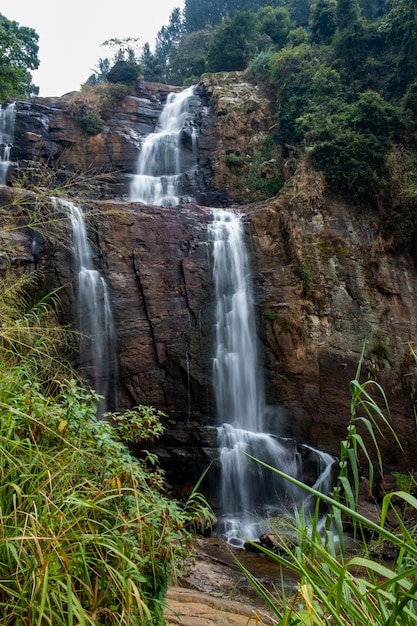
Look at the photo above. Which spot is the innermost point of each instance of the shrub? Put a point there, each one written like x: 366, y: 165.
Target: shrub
x: 91, y: 123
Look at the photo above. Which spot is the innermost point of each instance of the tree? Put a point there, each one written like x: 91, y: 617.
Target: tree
x: 401, y: 29
x: 18, y: 54
x: 275, y: 22
x: 125, y: 51
x: 350, y: 45
x: 323, y: 21
x: 188, y: 60
x: 100, y: 72
x: 232, y: 43
x: 151, y: 66
x: 299, y: 10
x: 201, y: 13
x: 168, y: 38
x: 347, y: 14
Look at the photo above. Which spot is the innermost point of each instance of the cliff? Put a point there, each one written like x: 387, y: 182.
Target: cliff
x: 325, y: 283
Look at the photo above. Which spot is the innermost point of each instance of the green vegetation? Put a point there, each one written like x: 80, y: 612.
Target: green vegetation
x: 341, y: 76
x: 270, y: 315
x: 124, y: 65
x: 86, y: 535
x: 339, y: 582
x: 91, y: 123
x: 18, y: 55
x: 304, y: 274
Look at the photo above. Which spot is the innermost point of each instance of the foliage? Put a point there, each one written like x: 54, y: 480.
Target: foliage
x: 126, y: 51
x: 138, y: 424
x: 399, y: 209
x: 91, y: 123
x: 167, y: 39
x: 258, y: 176
x: 259, y: 66
x: 94, y: 103
x: 232, y: 43
x: 400, y: 26
x: 201, y: 13
x: 323, y: 21
x: 406, y: 482
x: 86, y: 535
x: 153, y: 70
x: 275, y: 22
x: 188, y: 60
x: 18, y: 55
x: 292, y: 78
x: 336, y: 586
x: 264, y: 177
x: 351, y: 162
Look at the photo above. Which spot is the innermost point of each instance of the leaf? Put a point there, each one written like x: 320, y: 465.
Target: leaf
x: 62, y: 425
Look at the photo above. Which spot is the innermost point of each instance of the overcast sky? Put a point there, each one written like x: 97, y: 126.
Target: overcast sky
x: 71, y: 33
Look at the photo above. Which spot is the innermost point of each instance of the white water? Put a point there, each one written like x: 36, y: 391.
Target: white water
x: 248, y: 493
x: 7, y: 122
x: 97, y: 343
x: 162, y: 177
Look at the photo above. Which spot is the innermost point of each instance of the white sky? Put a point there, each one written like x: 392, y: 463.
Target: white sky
x: 71, y: 34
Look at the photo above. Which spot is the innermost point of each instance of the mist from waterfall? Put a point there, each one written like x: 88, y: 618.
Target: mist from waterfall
x: 249, y: 495
x: 97, y: 340
x: 7, y: 123
x: 162, y: 178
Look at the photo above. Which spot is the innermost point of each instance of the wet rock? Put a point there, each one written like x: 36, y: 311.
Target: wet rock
x: 322, y: 283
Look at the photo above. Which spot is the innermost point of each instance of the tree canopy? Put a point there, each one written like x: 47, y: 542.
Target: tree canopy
x: 18, y: 55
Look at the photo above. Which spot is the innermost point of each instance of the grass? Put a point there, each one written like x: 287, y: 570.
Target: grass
x: 87, y: 536
x: 338, y: 585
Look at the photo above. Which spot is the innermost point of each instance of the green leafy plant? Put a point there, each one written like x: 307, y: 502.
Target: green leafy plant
x: 91, y: 123
x: 86, y: 534
x: 138, y: 424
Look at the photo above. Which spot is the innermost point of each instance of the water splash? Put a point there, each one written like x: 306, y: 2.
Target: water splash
x: 163, y: 178
x: 97, y: 343
x: 249, y: 494
x: 7, y: 123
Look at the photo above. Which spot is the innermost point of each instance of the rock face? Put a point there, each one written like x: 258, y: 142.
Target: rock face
x: 49, y: 136
x: 325, y: 287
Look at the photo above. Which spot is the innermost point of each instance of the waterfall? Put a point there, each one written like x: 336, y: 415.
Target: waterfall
x: 7, y: 121
x: 237, y: 379
x: 249, y: 495
x: 97, y: 342
x: 163, y: 177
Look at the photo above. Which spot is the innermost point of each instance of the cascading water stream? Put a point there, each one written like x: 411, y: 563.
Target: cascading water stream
x: 97, y: 343
x: 7, y: 122
x: 162, y: 178
x: 249, y: 494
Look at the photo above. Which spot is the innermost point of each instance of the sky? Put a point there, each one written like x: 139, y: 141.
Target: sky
x: 71, y: 34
